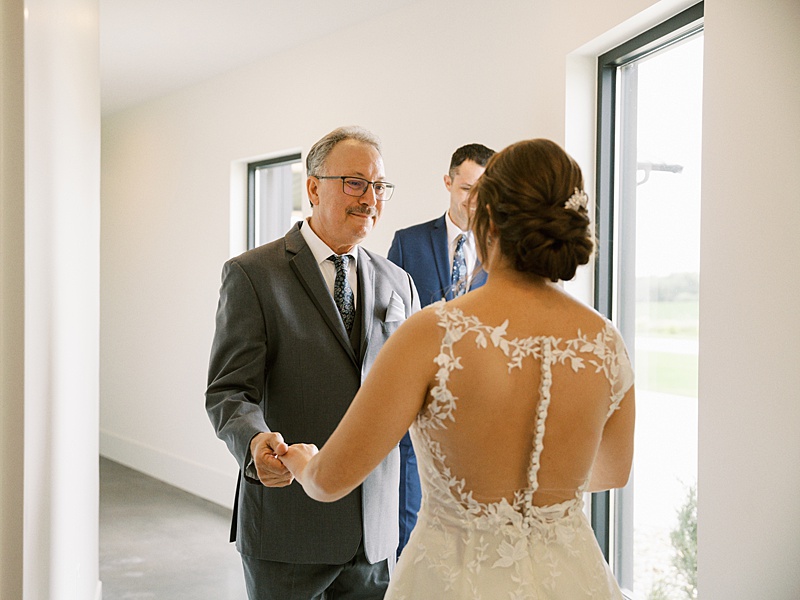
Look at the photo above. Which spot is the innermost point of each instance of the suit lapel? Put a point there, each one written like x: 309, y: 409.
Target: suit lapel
x: 366, y: 298
x: 478, y: 276
x: 305, y: 266
x: 438, y: 236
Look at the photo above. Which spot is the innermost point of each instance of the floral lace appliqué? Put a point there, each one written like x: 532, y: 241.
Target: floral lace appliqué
x: 505, y: 549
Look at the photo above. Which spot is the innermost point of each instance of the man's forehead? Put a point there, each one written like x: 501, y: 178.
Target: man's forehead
x: 356, y: 156
x: 350, y: 149
x: 468, y: 167
x: 352, y: 146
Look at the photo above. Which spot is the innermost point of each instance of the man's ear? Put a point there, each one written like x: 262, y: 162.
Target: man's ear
x: 448, y: 182
x: 312, y: 189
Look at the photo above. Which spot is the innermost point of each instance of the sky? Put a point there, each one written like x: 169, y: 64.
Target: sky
x: 669, y: 131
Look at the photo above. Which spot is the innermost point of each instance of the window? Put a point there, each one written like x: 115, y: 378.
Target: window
x: 274, y: 197
x: 647, y: 281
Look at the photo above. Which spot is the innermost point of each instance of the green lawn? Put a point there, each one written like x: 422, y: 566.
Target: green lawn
x: 667, y: 373
x: 667, y: 319
x: 663, y: 371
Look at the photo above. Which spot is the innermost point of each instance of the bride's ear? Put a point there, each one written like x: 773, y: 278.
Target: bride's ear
x: 491, y: 234
x: 492, y: 248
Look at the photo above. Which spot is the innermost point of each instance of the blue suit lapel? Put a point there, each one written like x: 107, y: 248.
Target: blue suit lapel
x: 438, y: 237
x: 478, y: 277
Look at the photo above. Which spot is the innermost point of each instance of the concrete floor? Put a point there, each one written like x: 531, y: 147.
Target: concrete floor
x: 159, y: 542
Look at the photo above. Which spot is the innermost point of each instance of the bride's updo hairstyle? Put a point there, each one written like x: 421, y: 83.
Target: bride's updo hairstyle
x: 532, y: 193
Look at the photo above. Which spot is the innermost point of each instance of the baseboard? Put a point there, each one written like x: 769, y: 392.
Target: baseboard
x: 192, y: 477
x: 98, y: 595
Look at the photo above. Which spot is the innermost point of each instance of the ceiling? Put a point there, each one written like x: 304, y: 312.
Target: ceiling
x: 149, y: 48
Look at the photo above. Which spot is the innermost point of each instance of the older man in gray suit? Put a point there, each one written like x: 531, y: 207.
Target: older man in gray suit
x: 299, y: 323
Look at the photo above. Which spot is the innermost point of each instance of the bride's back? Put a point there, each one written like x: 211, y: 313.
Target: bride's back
x: 490, y: 441
x: 530, y: 401
x: 534, y: 375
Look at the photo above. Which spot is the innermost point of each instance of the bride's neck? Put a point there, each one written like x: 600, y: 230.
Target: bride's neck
x: 504, y: 274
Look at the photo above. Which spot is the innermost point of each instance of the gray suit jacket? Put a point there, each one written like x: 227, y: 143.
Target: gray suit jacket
x: 282, y: 361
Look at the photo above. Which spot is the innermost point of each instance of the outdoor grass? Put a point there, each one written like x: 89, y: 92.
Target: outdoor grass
x: 667, y: 319
x: 667, y: 373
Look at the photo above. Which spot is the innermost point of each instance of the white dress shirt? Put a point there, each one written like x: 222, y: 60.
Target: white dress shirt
x: 322, y: 251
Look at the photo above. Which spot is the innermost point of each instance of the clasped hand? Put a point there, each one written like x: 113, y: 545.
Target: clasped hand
x: 277, y: 463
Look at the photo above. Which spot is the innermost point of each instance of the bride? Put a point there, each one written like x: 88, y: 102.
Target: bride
x: 519, y: 400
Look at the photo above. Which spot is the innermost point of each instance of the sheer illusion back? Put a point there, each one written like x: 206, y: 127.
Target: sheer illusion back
x: 505, y: 446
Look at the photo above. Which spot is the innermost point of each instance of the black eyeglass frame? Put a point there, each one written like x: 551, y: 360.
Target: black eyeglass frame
x: 389, y: 186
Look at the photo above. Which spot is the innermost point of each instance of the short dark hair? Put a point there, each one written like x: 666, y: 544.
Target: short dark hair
x: 477, y: 153
x: 522, y: 198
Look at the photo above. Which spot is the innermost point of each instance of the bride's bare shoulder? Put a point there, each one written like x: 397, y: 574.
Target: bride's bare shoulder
x: 422, y: 324
x: 581, y: 312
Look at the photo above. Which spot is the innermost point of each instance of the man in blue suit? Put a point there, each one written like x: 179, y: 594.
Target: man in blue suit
x: 441, y: 258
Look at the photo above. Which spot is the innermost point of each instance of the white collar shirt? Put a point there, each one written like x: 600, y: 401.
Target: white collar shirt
x: 322, y: 251
x: 470, y: 254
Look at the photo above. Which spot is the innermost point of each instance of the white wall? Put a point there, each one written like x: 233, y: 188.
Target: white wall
x: 166, y: 182
x: 50, y: 217
x: 458, y: 72
x: 749, y: 479
x: 62, y: 297
x: 49, y: 171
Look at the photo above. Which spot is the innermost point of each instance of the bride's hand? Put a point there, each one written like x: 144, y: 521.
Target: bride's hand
x: 297, y: 456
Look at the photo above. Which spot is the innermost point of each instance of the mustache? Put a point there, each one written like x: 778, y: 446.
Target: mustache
x: 369, y: 211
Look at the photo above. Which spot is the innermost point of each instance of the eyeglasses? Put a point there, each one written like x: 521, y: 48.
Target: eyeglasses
x: 356, y: 186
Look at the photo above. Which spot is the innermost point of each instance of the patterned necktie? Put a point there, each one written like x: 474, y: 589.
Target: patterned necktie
x: 458, y: 276
x: 342, y: 292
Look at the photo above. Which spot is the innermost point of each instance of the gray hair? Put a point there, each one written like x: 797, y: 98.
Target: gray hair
x: 315, y: 160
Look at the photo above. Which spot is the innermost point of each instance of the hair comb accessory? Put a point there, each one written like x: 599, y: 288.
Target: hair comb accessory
x: 577, y: 201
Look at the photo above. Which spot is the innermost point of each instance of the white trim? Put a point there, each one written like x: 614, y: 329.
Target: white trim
x: 195, y: 478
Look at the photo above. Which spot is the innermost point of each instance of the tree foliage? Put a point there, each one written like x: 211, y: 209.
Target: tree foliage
x: 681, y: 583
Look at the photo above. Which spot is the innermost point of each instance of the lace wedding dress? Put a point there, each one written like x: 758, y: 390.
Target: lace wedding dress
x: 514, y: 547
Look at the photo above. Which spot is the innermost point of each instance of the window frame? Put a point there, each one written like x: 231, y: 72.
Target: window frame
x: 671, y: 31
x: 252, y: 171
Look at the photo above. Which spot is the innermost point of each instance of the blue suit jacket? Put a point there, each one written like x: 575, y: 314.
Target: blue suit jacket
x: 422, y: 251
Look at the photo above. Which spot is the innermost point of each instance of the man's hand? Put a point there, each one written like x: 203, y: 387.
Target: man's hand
x: 265, y: 448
